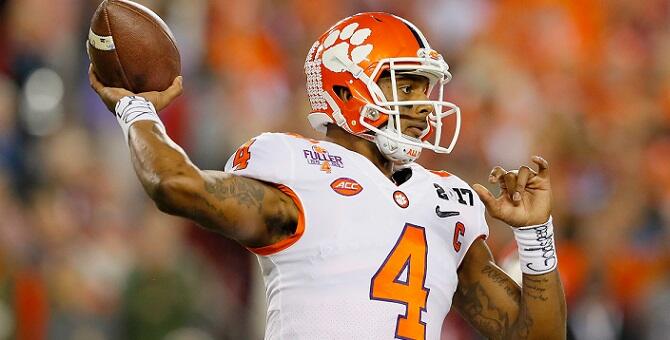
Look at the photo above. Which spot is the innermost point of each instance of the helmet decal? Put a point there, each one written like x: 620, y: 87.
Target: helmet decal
x: 335, y: 56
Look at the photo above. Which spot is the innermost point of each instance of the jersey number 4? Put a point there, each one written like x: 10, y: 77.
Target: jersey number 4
x: 389, y: 284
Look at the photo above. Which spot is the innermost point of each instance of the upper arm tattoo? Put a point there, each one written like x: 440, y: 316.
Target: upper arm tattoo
x: 246, y: 192
x: 502, y: 280
x: 477, y: 307
x: 481, y: 308
x: 486, y: 297
x: 258, y: 198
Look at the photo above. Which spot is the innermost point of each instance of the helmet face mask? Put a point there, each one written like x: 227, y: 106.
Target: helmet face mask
x: 431, y: 69
x: 379, y: 43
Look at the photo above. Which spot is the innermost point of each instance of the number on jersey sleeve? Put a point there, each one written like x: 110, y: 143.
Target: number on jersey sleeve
x: 408, y: 255
x: 242, y: 156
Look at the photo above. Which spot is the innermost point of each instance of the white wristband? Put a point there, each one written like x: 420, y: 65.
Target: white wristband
x: 131, y: 109
x: 537, y: 253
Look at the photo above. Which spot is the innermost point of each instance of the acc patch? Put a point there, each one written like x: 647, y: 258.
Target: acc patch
x: 346, y: 186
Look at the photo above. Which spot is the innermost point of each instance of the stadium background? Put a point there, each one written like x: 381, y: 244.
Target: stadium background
x: 85, y: 255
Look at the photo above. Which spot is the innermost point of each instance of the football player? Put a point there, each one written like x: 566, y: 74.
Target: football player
x: 355, y: 239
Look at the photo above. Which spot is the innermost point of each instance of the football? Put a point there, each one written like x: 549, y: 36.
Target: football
x: 131, y: 47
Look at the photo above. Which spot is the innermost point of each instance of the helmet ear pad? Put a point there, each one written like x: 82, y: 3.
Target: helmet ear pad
x: 351, y: 101
x: 343, y: 93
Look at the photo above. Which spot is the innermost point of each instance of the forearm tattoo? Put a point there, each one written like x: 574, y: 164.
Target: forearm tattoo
x: 535, y: 288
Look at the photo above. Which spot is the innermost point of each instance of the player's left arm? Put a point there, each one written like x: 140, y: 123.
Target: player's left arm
x: 496, y: 306
x: 486, y: 296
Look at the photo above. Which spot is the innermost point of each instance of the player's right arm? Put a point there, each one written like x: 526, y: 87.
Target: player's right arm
x: 249, y: 211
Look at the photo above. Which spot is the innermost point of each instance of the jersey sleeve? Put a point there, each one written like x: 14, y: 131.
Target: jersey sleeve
x: 476, y: 228
x: 266, y: 157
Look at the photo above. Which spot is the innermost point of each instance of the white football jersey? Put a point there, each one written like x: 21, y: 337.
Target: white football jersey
x: 370, y: 259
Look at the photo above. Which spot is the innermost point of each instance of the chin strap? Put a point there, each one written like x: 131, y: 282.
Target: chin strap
x: 397, y: 152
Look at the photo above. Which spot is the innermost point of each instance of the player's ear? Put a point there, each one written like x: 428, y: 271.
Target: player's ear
x: 343, y: 92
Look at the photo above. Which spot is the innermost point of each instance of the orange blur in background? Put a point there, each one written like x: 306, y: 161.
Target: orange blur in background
x: 85, y: 255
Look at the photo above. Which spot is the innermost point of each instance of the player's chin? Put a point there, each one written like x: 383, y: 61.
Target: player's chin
x: 413, y: 132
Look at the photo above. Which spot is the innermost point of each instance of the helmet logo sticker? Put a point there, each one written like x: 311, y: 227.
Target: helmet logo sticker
x: 429, y: 53
x: 401, y: 199
x: 334, y: 54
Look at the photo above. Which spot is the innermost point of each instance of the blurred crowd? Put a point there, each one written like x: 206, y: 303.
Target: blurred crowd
x: 85, y: 255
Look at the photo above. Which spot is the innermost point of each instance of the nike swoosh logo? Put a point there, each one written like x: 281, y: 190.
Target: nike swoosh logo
x: 445, y: 214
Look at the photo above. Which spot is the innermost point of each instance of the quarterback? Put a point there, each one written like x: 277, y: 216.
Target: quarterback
x: 355, y: 240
